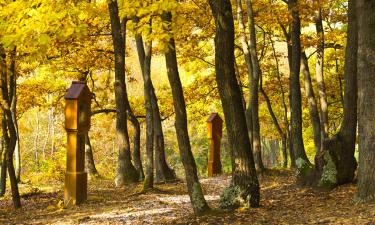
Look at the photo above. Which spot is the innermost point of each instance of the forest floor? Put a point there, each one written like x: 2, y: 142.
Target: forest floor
x: 282, y: 202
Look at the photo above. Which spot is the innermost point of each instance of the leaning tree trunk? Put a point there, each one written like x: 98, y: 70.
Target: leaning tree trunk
x: 254, y: 89
x: 126, y: 173
x: 319, y: 72
x: 277, y: 125
x: 285, y: 111
x: 90, y: 163
x: 295, y: 90
x: 336, y: 164
x: 311, y: 101
x: 144, y: 55
x: 243, y: 174
x: 194, y: 187
x: 247, y: 56
x: 366, y: 95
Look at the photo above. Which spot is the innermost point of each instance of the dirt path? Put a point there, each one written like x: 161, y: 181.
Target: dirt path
x: 282, y: 203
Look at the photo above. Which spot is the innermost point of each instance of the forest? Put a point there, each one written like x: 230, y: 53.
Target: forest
x: 187, y: 112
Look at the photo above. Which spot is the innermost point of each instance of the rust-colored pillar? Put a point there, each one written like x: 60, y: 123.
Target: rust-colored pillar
x: 77, y: 123
x: 214, y: 127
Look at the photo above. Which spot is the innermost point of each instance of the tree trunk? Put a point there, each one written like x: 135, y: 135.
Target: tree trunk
x: 13, y: 99
x: 163, y: 172
x: 295, y: 89
x: 194, y: 187
x: 335, y: 165
x: 243, y: 176
x: 36, y: 139
x: 144, y: 56
x: 90, y: 163
x: 247, y: 56
x: 311, y: 101
x: 319, y: 71
x: 254, y: 89
x: 285, y: 111
x: 3, y: 173
x: 6, y: 107
x: 126, y: 173
x: 277, y: 125
x: 366, y: 95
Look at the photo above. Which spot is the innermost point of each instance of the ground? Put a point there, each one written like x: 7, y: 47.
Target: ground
x: 282, y: 202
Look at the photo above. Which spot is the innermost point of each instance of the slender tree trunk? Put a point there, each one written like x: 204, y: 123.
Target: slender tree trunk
x: 194, y: 187
x: 126, y: 173
x: 144, y: 56
x: 36, y: 139
x: 6, y: 107
x: 295, y: 89
x: 335, y: 165
x: 243, y: 174
x: 320, y: 71
x: 247, y: 56
x: 285, y: 111
x: 3, y: 173
x: 135, y: 123
x: 277, y: 125
x: 254, y: 89
x: 311, y: 101
x: 52, y: 130
x: 48, y: 133
x: 136, y: 142
x: 90, y: 163
x: 366, y: 94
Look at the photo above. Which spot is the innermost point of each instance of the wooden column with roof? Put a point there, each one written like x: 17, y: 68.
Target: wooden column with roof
x: 214, y: 127
x: 77, y: 124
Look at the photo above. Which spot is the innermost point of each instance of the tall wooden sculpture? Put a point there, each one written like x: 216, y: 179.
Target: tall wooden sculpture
x: 77, y: 124
x: 214, y: 126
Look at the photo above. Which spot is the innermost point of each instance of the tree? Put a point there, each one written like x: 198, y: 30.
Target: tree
x: 366, y: 94
x: 320, y: 71
x: 335, y: 164
x: 294, y: 86
x: 194, y: 188
x: 254, y: 89
x: 126, y: 173
x: 243, y: 176
x: 311, y: 101
x: 10, y: 139
x: 144, y: 55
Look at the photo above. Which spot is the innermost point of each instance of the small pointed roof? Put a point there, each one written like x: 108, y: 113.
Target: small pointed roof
x: 214, y: 116
x: 75, y: 89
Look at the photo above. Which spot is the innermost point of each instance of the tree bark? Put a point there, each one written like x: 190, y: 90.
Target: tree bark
x: 285, y: 111
x: 336, y: 165
x: 254, y: 89
x: 13, y: 101
x: 144, y: 56
x: 126, y: 173
x: 366, y: 104
x: 194, y: 187
x: 311, y: 101
x: 3, y: 174
x: 277, y: 125
x: 12, y: 138
x: 243, y: 174
x: 295, y: 89
x: 320, y: 72
x: 90, y: 163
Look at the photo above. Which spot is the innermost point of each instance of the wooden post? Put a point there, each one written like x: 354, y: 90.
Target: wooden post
x: 215, y: 131
x: 77, y: 124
